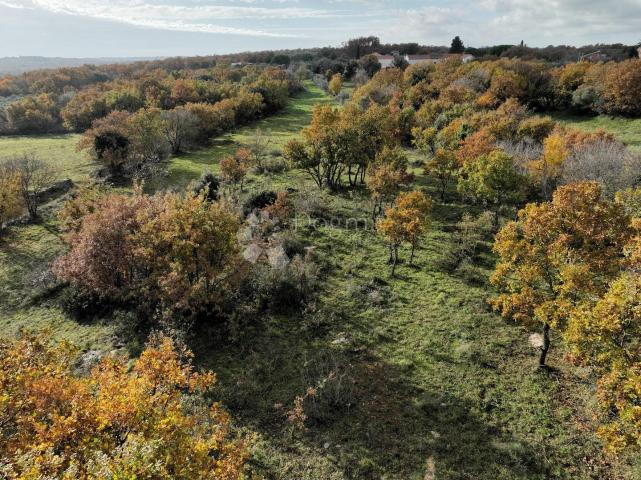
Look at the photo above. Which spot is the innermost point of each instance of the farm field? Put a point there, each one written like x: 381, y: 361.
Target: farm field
x: 443, y: 385
x: 628, y: 130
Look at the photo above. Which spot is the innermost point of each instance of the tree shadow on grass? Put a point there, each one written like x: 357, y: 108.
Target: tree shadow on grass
x: 390, y: 428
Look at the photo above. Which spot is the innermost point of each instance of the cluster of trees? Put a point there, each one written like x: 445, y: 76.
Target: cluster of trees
x: 248, y: 92
x: 183, y: 260
x: 610, y: 88
x: 342, y: 142
x: 119, y: 421
x: 569, y: 262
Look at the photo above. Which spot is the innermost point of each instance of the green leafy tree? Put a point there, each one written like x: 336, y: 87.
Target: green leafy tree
x: 457, y: 45
x: 493, y: 180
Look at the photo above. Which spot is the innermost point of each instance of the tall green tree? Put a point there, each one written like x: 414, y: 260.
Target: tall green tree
x: 457, y: 45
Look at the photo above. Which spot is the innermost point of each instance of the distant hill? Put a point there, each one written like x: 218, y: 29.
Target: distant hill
x: 15, y: 65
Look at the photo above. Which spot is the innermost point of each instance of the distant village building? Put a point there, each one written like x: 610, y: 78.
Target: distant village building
x: 387, y: 61
x: 639, y: 50
x: 594, y: 57
x: 438, y: 58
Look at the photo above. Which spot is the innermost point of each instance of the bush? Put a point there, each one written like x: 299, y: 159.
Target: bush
x: 273, y: 166
x: 258, y: 201
x: 287, y: 289
x: 330, y: 380
x: 207, y: 184
x: 82, y: 304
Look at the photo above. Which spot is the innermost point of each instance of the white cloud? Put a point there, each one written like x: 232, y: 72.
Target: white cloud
x: 201, y: 18
x: 555, y: 20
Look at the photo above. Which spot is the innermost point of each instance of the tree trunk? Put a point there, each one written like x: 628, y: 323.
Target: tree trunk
x: 394, y: 259
x: 546, y: 345
x: 412, y: 254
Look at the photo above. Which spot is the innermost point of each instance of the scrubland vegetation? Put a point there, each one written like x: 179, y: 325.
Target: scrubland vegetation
x: 416, y: 273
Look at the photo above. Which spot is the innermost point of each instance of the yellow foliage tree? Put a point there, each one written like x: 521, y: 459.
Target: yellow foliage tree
x: 115, y: 422
x: 556, y: 255
x: 335, y: 84
x: 11, y: 201
x: 405, y: 221
x: 546, y: 170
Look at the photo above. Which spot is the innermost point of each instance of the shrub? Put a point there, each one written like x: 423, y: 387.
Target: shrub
x: 259, y: 200
x: 81, y: 304
x: 166, y: 252
x: 470, y: 233
x: 60, y: 425
x: 207, y: 185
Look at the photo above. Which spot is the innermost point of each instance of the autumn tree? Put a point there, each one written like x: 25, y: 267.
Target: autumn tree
x: 33, y: 114
x: 341, y: 142
x: 536, y: 128
x: 147, y: 144
x: 547, y: 169
x: 108, y: 141
x: 494, y: 180
x: 475, y: 145
x: 335, y: 84
x: 147, y: 421
x: 385, y: 178
x: 233, y: 168
x: 179, y: 128
x: 404, y: 222
x: 166, y: 251
x: 417, y: 208
x: 622, y: 88
x: 443, y: 167
x: 557, y: 254
x: 11, y: 200
x: 30, y: 175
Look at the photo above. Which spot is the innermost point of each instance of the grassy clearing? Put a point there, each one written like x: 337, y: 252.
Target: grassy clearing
x: 25, y: 256
x: 628, y: 130
x: 441, y: 384
x: 280, y: 128
x: 439, y: 379
x: 59, y: 150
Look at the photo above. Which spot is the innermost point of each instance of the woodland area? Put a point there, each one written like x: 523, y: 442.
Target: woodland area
x: 274, y: 269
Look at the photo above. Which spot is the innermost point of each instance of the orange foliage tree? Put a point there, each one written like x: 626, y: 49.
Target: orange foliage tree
x: 167, y: 251
x: 117, y: 422
x: 405, y: 221
x: 233, y: 169
x: 557, y: 254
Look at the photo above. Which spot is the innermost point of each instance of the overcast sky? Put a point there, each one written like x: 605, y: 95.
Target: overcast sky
x: 133, y: 28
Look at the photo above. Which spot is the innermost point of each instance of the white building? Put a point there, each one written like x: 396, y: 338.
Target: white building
x: 387, y: 61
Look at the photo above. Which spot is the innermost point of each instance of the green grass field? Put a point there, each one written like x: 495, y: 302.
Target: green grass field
x: 59, y: 150
x: 628, y: 130
x: 280, y: 128
x: 442, y: 387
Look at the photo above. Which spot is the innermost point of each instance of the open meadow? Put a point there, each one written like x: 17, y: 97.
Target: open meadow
x: 628, y: 130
